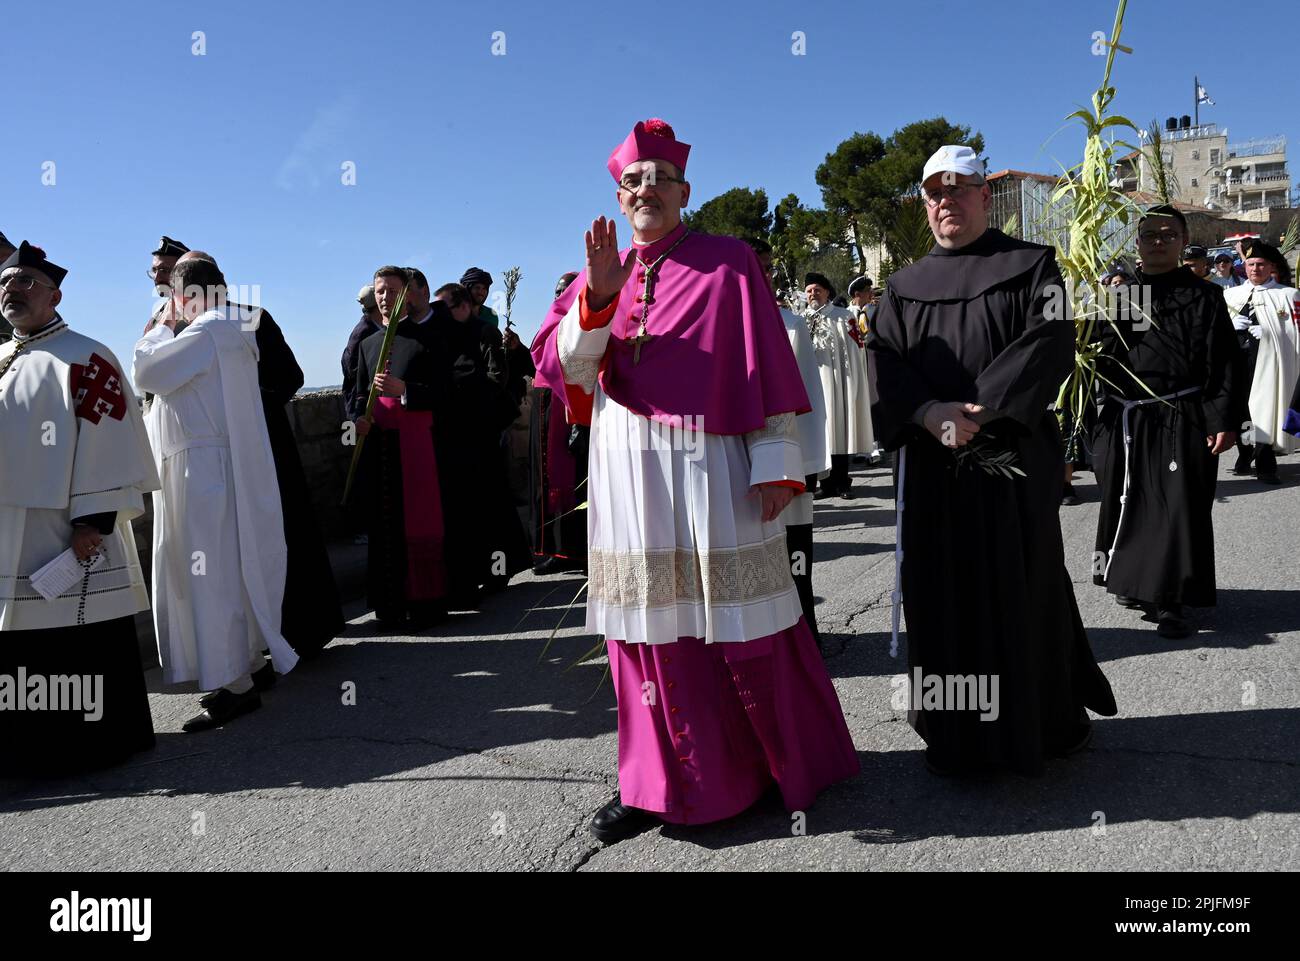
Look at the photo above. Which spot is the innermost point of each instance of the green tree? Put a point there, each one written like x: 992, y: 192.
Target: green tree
x: 866, y: 181
x: 740, y: 212
x: 853, y: 190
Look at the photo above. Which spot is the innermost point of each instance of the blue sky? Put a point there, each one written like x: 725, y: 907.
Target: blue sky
x: 465, y: 158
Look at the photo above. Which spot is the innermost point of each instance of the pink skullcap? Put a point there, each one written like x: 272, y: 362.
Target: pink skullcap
x: 650, y: 139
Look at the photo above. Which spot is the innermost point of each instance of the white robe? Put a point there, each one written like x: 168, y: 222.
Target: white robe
x: 65, y: 454
x: 844, y: 381
x: 219, y: 549
x: 810, y: 427
x: 676, y: 542
x: 1277, y: 365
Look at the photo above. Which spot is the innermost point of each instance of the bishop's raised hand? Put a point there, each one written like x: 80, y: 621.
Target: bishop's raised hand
x: 606, y: 271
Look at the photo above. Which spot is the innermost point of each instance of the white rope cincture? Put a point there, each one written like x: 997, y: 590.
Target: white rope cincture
x: 897, y: 596
x: 1128, y: 445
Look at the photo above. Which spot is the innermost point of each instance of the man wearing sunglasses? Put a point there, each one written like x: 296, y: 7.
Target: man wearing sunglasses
x: 1171, y: 406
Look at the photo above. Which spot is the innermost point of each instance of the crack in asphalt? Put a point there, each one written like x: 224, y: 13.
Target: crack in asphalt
x: 1192, y: 754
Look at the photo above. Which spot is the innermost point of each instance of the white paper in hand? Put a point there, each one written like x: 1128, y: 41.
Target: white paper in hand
x: 61, y: 573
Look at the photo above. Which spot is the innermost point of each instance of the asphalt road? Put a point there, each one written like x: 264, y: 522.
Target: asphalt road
x: 467, y: 749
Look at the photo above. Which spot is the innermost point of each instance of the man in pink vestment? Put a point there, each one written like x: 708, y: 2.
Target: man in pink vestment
x: 675, y: 353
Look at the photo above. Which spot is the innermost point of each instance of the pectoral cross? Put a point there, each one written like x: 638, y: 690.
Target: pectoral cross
x: 648, y: 298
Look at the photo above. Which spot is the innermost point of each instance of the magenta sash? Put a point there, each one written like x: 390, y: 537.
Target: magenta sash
x: 426, y: 572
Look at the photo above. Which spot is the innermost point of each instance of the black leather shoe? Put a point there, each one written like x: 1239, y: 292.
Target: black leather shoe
x: 616, y: 821
x: 556, y: 565
x: 824, y: 492
x: 1077, y: 741
x: 1068, y: 496
x: 1243, y: 465
x: 264, y: 678
x: 1129, y: 602
x: 1272, y: 479
x: 1170, y: 623
x: 223, y: 708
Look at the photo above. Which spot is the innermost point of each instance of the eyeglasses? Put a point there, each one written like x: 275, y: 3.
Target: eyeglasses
x: 952, y: 191
x: 1164, y: 237
x: 158, y: 273
x: 633, y: 183
x: 21, y: 282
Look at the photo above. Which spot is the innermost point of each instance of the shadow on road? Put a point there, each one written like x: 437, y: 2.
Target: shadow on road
x: 1230, y: 764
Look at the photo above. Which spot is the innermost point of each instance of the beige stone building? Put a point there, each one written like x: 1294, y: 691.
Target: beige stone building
x: 1244, y: 180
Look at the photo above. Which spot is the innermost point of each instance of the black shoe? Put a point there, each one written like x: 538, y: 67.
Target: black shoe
x: 423, y: 616
x: 1272, y: 479
x: 1079, y: 740
x: 264, y: 677
x: 616, y: 821
x: 1242, y: 467
x: 937, y: 766
x: 945, y: 765
x: 1130, y: 602
x: 847, y: 493
x: 552, y: 565
x: 1068, y: 497
x: 223, y: 708
x: 824, y: 492
x: 1170, y: 623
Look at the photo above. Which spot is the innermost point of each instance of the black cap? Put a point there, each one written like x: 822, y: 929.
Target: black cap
x: 820, y: 280
x: 4, y: 241
x: 167, y: 247
x: 34, y: 258
x: 1194, y: 252
x: 1257, y: 248
x: 858, y: 284
x: 476, y: 275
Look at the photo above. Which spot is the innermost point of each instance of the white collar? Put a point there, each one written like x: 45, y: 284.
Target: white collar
x: 425, y: 318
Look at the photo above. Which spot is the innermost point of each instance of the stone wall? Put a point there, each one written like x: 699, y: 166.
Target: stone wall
x: 317, y: 421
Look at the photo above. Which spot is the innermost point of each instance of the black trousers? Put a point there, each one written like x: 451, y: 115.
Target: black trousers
x: 839, y: 479
x: 799, y: 541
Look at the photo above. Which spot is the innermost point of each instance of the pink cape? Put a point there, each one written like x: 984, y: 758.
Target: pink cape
x: 719, y: 355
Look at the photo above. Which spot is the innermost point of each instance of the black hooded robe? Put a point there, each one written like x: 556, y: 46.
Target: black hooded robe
x: 985, y: 588
x: 1165, y: 552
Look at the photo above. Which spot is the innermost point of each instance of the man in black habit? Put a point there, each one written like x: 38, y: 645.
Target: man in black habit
x: 1157, y: 447
x: 312, y: 613
x: 486, y: 543
x: 967, y: 358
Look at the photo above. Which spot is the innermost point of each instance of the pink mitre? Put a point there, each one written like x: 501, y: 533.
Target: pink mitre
x: 650, y: 139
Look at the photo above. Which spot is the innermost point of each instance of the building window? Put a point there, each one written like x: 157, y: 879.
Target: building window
x: 1194, y: 184
x: 1196, y: 155
x: 1214, y: 157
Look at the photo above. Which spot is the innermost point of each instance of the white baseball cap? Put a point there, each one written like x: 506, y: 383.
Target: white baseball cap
x: 953, y: 158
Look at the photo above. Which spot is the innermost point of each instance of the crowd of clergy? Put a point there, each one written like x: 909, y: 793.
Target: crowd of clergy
x: 666, y: 434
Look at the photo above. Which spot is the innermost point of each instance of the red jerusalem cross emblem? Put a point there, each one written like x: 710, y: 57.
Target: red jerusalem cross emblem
x: 97, y: 390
